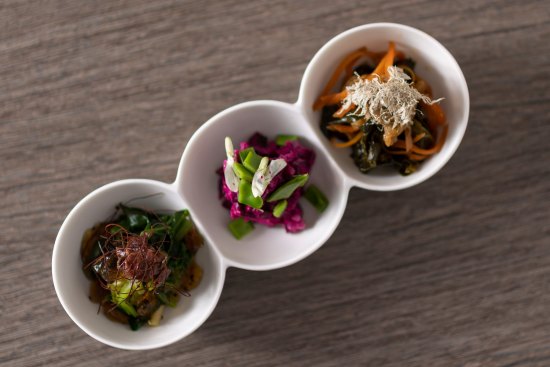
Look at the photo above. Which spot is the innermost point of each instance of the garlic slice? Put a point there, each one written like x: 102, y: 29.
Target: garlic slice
x: 264, y: 175
x: 231, y: 179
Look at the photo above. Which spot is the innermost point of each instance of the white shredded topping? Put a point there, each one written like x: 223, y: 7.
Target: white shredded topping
x: 391, y: 103
x: 231, y: 179
x: 264, y: 174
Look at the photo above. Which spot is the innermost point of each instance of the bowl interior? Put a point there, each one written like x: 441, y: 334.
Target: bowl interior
x: 72, y: 286
x: 433, y: 63
x: 197, y: 181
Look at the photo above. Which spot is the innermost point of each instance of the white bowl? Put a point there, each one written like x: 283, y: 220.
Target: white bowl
x: 433, y: 63
x: 197, y: 182
x: 72, y: 286
x: 196, y: 187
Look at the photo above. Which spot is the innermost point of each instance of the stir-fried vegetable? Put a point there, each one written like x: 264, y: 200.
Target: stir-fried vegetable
x: 140, y: 262
x: 383, y: 111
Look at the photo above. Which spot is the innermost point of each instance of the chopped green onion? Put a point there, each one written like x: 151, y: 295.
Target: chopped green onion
x: 240, y: 228
x: 246, y: 197
x: 242, y: 172
x: 287, y: 189
x: 182, y: 225
x: 127, y: 308
x: 252, y: 161
x: 243, y: 153
x: 316, y: 198
x: 279, y: 209
x: 282, y: 139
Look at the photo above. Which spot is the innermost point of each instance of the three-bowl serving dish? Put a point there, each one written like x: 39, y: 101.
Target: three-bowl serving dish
x: 196, y: 187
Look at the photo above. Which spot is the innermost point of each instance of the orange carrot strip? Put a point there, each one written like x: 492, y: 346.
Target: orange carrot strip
x: 342, y: 128
x: 386, y: 61
x: 419, y: 137
x: 349, y: 143
x: 408, y: 140
x: 343, y: 64
x: 330, y: 99
x: 437, y: 147
x: 358, y: 123
x: 399, y: 144
x: 417, y: 157
x: 434, y: 114
x: 343, y: 111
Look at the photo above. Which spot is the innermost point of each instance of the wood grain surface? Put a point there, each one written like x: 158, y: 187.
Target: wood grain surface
x: 452, y: 272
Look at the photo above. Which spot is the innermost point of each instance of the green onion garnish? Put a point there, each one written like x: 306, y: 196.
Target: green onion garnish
x: 316, y: 198
x: 252, y: 161
x: 240, y: 227
x: 242, y: 172
x: 246, y: 197
x: 287, y: 189
x: 279, y: 209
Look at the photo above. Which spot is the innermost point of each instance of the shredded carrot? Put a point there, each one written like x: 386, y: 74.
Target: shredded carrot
x: 408, y: 140
x: 418, y: 137
x: 437, y: 147
x: 342, y: 128
x: 402, y: 144
x: 417, y: 157
x: 330, y: 99
x: 434, y: 114
x: 343, y: 111
x: 341, y: 67
x: 348, y: 143
x: 386, y: 62
x: 358, y: 123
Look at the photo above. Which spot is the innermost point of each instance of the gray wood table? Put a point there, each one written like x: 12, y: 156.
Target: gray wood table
x: 452, y: 272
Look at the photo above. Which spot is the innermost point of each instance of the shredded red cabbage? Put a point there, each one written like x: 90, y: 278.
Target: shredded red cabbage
x: 299, y: 161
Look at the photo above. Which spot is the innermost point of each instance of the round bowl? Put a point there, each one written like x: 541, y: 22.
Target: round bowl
x: 197, y: 182
x: 72, y: 286
x: 433, y: 63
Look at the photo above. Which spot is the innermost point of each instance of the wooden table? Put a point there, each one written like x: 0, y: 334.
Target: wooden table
x: 453, y: 272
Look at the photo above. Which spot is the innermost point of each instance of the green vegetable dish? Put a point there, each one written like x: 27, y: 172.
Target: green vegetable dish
x: 139, y: 262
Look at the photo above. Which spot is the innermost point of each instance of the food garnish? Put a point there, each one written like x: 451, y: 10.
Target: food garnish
x: 386, y: 113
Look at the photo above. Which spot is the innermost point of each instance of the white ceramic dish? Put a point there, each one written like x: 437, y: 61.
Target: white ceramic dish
x: 196, y: 187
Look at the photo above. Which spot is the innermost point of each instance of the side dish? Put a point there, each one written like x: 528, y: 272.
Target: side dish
x: 383, y: 111
x: 139, y: 262
x: 262, y: 182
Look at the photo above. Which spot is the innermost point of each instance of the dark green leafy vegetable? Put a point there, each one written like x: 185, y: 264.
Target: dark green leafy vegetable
x: 316, y: 198
x: 240, y: 227
x: 288, y: 188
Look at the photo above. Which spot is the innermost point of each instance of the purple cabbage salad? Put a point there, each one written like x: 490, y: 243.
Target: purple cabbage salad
x: 263, y: 180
